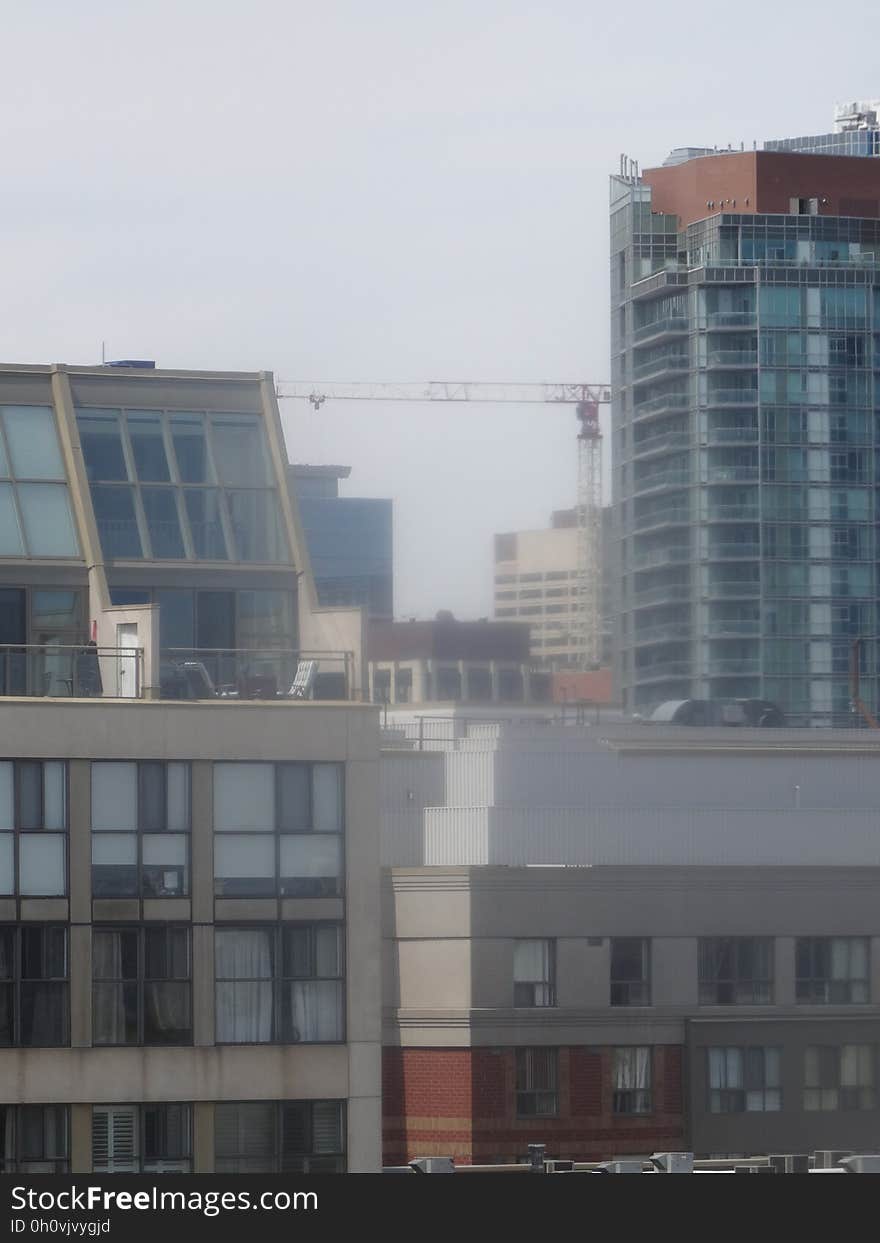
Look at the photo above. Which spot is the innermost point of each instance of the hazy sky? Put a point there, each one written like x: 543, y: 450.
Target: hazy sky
x: 366, y: 191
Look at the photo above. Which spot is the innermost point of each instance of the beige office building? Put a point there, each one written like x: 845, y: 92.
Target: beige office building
x: 189, y: 872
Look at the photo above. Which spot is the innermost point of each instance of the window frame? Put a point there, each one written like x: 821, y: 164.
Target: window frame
x: 279, y: 834
x: 831, y: 1056
x: 734, y: 980
x: 737, y: 1099
x: 18, y: 980
x: 549, y: 984
x: 526, y: 1091
x: 641, y: 988
x: 16, y: 1163
x: 278, y: 1155
x: 641, y: 1099
x: 139, y: 832
x: 810, y: 984
x: 279, y: 980
x: 16, y: 832
x: 141, y: 981
x: 139, y: 1109
x: 60, y: 482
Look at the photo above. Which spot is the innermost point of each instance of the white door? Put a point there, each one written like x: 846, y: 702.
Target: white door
x: 126, y: 665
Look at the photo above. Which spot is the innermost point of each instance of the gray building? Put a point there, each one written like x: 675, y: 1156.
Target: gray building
x: 617, y: 939
x: 745, y: 305
x: 189, y: 880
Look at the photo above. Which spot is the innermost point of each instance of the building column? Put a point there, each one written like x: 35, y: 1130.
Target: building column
x: 203, y: 1137
x: 527, y: 684
x: 81, y: 1139
x: 493, y: 674
x: 464, y: 682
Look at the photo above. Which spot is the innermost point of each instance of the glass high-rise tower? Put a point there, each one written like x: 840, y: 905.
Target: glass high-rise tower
x: 745, y: 329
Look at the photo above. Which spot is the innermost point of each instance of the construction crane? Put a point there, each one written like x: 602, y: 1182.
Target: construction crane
x: 586, y: 399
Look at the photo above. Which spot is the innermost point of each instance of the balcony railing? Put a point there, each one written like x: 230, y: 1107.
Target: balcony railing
x: 732, y: 513
x: 732, y: 358
x: 71, y: 671
x: 732, y: 474
x: 720, y: 627
x: 656, y: 366
x: 660, y: 634
x: 738, y: 587
x: 732, y: 550
x: 667, y: 442
x: 731, y: 435
x: 89, y: 671
x: 255, y: 673
x: 660, y: 556
x: 731, y: 319
x: 659, y: 327
x: 660, y: 594
x: 662, y: 517
x: 726, y: 668
x: 733, y: 397
x: 661, y: 479
x: 663, y: 669
x: 666, y: 401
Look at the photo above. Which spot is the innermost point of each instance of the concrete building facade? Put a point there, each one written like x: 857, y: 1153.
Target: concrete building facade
x: 189, y: 896
x: 615, y: 1010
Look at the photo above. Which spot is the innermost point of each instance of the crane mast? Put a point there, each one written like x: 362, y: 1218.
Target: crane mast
x: 586, y: 398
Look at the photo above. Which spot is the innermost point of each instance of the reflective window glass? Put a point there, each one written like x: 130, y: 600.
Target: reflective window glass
x: 101, y: 441
x: 206, y: 528
x: 176, y: 618
x: 160, y: 508
x: 48, y: 522
x: 188, y: 434
x: 256, y: 525
x: 148, y: 447
x: 33, y: 442
x: 117, y: 526
x: 11, y: 543
x: 239, y: 451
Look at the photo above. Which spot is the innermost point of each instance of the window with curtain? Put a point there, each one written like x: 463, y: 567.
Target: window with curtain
x: 832, y: 970
x: 630, y: 971
x: 279, y: 983
x: 33, y: 828
x: 840, y: 1077
x: 632, y: 1081
x: 278, y: 829
x: 735, y: 971
x: 744, y: 1080
x: 142, y: 1139
x: 34, y: 1139
x: 35, y: 515
x: 279, y: 1137
x: 534, y: 973
x: 141, y: 985
x: 537, y: 1075
x: 34, y: 989
x: 140, y: 829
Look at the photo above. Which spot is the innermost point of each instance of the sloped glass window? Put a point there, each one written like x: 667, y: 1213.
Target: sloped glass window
x: 163, y: 524
x: 33, y: 442
x: 117, y: 524
x: 148, y: 448
x: 205, y: 524
x: 101, y: 438
x: 240, y: 452
x: 48, y: 522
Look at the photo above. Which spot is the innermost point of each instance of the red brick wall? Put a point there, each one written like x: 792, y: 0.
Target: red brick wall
x: 462, y: 1103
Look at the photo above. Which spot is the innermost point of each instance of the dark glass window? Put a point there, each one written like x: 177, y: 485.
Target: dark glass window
x: 537, y: 1074
x: 34, y: 1139
x: 34, y: 998
x: 141, y: 991
x: 205, y: 523
x: 148, y: 448
x: 279, y: 1137
x: 744, y: 1080
x: 148, y: 1139
x: 117, y: 524
x: 101, y: 440
x: 632, y: 1080
x: 736, y: 971
x: 33, y: 828
x: 279, y: 984
x: 534, y: 973
x: 630, y: 971
x: 163, y: 524
x: 832, y: 970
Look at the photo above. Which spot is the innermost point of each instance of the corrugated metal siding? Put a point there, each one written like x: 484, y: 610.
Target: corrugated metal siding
x: 411, y: 782
x: 470, y: 778
x: 516, y: 837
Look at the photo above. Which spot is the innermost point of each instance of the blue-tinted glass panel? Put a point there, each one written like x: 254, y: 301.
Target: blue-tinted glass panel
x: 33, y: 442
x: 11, y: 543
x: 265, y: 619
x: 160, y: 507
x: 4, y: 465
x: 101, y: 442
x: 55, y: 610
x: 240, y: 451
x: 148, y: 448
x: 203, y: 511
x: 190, y: 448
x: 256, y: 525
x: 48, y: 522
x: 117, y: 526
x: 176, y: 619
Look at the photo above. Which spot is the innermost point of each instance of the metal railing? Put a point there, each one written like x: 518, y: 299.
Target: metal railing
x: 662, y: 443
x: 658, y: 327
x: 255, y: 673
x: 71, y: 671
